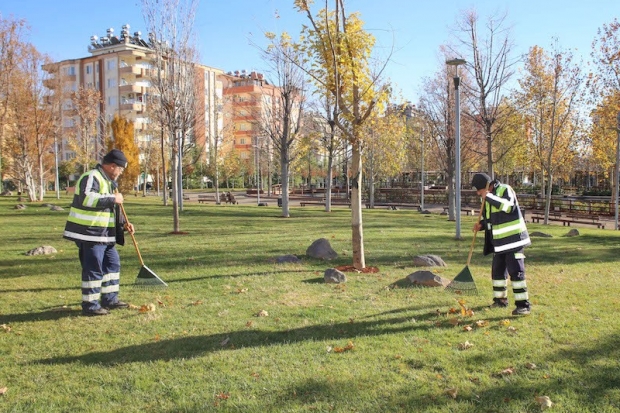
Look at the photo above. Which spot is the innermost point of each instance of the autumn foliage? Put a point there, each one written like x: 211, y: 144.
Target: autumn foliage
x: 123, y: 139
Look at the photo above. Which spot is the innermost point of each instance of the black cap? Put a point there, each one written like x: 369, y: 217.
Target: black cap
x: 117, y: 157
x: 480, y: 181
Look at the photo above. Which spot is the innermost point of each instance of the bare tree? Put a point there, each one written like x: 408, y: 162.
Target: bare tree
x: 281, y: 120
x: 170, y: 26
x: 87, y: 119
x: 490, y: 64
x: 437, y: 107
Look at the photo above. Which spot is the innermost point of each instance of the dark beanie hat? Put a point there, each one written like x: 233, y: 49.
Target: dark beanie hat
x: 116, y: 156
x: 480, y: 181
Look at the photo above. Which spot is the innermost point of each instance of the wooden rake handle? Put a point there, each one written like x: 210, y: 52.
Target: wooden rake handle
x: 135, y: 243
x: 473, y: 241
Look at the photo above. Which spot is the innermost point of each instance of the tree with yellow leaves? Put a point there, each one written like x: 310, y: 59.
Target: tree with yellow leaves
x: 123, y: 139
x: 385, y: 148
x: 551, y: 90
x: 339, y: 51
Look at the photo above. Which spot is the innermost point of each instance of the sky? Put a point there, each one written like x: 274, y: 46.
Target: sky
x: 229, y: 32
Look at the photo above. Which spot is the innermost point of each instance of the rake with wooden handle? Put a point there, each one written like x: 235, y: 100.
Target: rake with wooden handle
x: 146, y: 277
x: 464, y: 283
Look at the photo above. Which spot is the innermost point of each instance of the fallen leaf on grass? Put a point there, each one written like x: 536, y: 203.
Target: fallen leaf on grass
x: 3, y: 390
x: 262, y: 313
x: 452, y: 393
x: 466, y: 345
x: 531, y: 366
x: 482, y: 323
x: 544, y: 401
x: 133, y: 307
x: 147, y: 308
x: 348, y: 347
x: 223, y: 396
x: 242, y: 290
x: 511, y: 329
x: 197, y: 302
x: 249, y: 324
x: 454, y: 321
x: 467, y: 328
x: 5, y: 328
x: 504, y: 323
x: 507, y: 372
x: 225, y: 341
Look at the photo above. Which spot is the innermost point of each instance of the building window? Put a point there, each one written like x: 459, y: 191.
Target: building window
x: 111, y: 64
x: 111, y: 83
x: 88, y: 69
x: 242, y: 141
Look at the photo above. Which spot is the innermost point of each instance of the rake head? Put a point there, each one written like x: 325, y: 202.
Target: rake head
x: 148, y: 279
x: 463, y: 283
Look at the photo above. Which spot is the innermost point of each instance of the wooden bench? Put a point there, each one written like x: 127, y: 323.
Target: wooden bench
x: 204, y: 198
x: 566, y: 221
x: 467, y: 210
x: 323, y: 203
x: 393, y: 205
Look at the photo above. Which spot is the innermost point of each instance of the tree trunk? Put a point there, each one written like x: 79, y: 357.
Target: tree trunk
x: 357, y: 240
x: 175, y: 188
x: 328, y: 186
x: 548, y: 198
x: 284, y: 173
x: 163, y: 168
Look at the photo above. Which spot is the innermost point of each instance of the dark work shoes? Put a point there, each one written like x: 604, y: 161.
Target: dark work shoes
x: 98, y: 311
x: 521, y: 311
x: 118, y: 304
x: 499, y: 304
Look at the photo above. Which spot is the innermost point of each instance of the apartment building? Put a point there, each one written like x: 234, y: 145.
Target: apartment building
x: 248, y: 97
x: 120, y: 68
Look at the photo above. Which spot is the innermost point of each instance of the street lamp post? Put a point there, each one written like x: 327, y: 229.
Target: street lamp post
x: 617, y: 171
x: 457, y: 166
x: 422, y: 171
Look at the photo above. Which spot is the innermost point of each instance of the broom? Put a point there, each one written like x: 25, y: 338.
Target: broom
x: 146, y: 277
x: 464, y: 283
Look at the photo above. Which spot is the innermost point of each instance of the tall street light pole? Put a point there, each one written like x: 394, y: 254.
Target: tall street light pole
x: 457, y: 166
x: 617, y: 171
x: 422, y: 171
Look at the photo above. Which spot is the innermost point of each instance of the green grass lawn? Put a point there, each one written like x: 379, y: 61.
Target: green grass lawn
x: 370, y: 345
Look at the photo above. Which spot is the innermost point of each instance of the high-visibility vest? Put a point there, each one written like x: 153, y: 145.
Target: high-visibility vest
x: 504, y: 221
x: 91, y: 218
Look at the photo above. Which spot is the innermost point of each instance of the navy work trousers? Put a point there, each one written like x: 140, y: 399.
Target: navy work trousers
x: 101, y: 266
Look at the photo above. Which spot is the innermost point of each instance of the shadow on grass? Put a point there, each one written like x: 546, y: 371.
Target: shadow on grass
x: 190, y: 347
x: 47, y: 315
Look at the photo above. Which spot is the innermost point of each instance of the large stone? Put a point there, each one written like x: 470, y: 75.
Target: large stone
x: 428, y: 260
x: 427, y: 279
x: 321, y: 249
x: 540, y: 234
x: 572, y: 233
x: 333, y: 276
x: 287, y: 259
x: 42, y: 250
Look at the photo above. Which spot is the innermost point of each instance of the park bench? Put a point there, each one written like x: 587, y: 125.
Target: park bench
x: 567, y: 220
x: 467, y: 210
x: 204, y: 198
x: 305, y: 203
x: 393, y: 205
